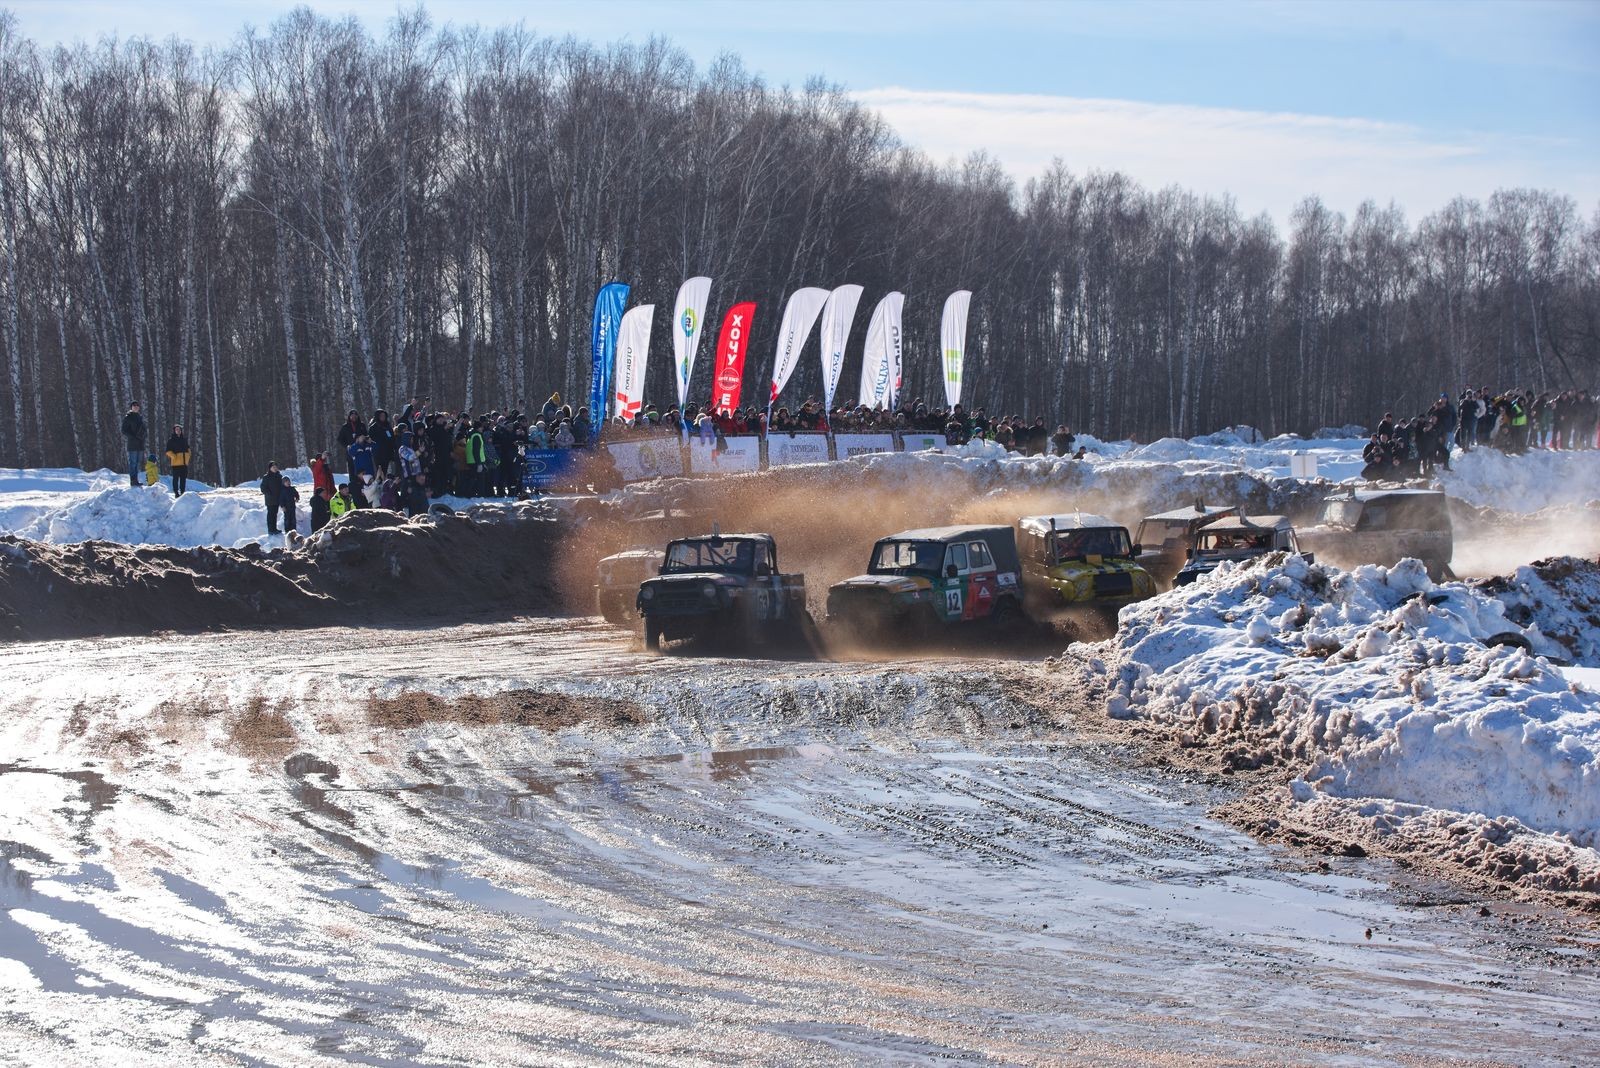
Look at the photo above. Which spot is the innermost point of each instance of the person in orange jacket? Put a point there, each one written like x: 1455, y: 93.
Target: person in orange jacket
x: 178, y: 460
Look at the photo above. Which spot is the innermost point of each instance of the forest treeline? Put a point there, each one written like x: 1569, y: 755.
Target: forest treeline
x: 251, y: 240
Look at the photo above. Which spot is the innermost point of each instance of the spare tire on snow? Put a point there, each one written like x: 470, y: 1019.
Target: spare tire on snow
x: 1511, y: 638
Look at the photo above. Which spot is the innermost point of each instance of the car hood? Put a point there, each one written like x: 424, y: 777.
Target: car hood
x: 691, y: 577
x: 887, y: 583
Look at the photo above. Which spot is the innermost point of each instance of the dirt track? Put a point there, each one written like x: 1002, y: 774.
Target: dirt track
x: 261, y: 835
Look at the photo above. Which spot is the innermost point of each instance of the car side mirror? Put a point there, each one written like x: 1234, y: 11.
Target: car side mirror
x: 1138, y: 547
x: 951, y: 571
x: 1188, y: 554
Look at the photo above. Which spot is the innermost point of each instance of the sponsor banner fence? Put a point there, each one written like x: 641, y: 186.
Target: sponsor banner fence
x: 786, y: 449
x: 737, y: 455
x: 544, y: 468
x: 655, y: 458
x: 848, y: 445
x: 923, y: 442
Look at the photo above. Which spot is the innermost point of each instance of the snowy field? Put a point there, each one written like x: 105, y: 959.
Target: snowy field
x: 525, y: 841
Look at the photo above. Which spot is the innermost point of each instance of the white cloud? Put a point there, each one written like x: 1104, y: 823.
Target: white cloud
x: 1268, y: 161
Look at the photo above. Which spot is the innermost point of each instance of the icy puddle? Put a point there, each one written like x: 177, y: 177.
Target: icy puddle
x: 786, y: 864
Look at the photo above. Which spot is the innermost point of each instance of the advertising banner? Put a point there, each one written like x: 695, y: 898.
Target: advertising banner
x: 786, y: 449
x: 953, y: 343
x: 633, y: 352
x: 737, y: 456
x: 544, y: 468
x: 688, y: 316
x: 848, y: 445
x: 880, y: 357
x: 837, y: 315
x: 729, y: 377
x: 924, y: 442
x: 799, y: 316
x: 608, y: 305
x: 655, y: 457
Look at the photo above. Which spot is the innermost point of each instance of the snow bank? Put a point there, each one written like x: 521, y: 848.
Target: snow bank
x: 63, y: 506
x: 1381, y: 683
x: 1561, y: 597
x: 1530, y: 482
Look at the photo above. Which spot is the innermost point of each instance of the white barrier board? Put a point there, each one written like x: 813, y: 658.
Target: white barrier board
x: 650, y: 458
x: 848, y: 445
x: 737, y: 455
x: 924, y: 442
x: 786, y: 449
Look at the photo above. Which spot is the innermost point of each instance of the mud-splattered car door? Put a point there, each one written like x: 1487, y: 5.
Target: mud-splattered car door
x: 955, y: 602
x: 776, y: 596
x: 983, y: 589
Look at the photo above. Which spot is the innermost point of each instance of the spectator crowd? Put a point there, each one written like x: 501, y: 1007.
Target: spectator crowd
x: 404, y: 462
x: 1512, y: 422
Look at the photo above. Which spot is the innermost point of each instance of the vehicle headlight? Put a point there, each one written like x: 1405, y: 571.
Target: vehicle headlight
x: 709, y: 592
x: 646, y: 593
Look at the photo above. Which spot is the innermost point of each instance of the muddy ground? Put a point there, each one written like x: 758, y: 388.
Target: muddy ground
x: 531, y: 843
x: 368, y: 567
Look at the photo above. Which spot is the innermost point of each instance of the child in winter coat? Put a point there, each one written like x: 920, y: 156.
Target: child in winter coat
x: 288, y: 497
x: 152, y: 472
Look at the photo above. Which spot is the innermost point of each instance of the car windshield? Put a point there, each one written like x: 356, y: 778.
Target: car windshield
x: 711, y: 554
x: 1341, y: 513
x: 1227, y: 541
x: 1101, y: 541
x: 1406, y: 512
x: 902, y: 557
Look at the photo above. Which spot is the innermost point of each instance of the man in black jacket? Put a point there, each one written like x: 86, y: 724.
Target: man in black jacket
x: 271, y: 489
x: 320, y: 512
x: 354, y: 426
x: 442, y: 439
x: 133, y: 433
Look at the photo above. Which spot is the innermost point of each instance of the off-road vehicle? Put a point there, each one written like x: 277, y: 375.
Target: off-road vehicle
x: 1081, y: 561
x: 724, y: 586
x: 1383, y: 526
x: 1165, y: 540
x: 1237, y: 538
x: 617, y: 581
x: 920, y: 579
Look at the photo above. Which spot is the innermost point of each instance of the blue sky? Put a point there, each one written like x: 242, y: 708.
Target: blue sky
x: 1411, y: 102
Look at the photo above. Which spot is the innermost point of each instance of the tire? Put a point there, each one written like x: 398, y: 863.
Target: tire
x: 652, y: 635
x: 1007, y: 615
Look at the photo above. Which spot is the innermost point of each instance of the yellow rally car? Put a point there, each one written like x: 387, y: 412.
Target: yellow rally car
x: 1078, y: 560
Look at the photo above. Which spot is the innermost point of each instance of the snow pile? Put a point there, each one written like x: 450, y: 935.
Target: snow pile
x: 147, y: 515
x: 1530, y: 482
x: 1377, y: 684
x: 1561, y: 597
x: 64, y: 506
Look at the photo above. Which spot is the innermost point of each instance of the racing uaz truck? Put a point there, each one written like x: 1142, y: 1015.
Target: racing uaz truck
x: 1080, y: 561
x: 924, y: 579
x: 1383, y: 526
x: 1165, y: 540
x: 1237, y: 538
x: 617, y: 580
x: 724, y: 586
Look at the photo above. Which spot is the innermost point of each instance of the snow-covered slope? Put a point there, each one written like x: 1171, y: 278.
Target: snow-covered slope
x: 1374, y: 684
x: 63, y: 506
